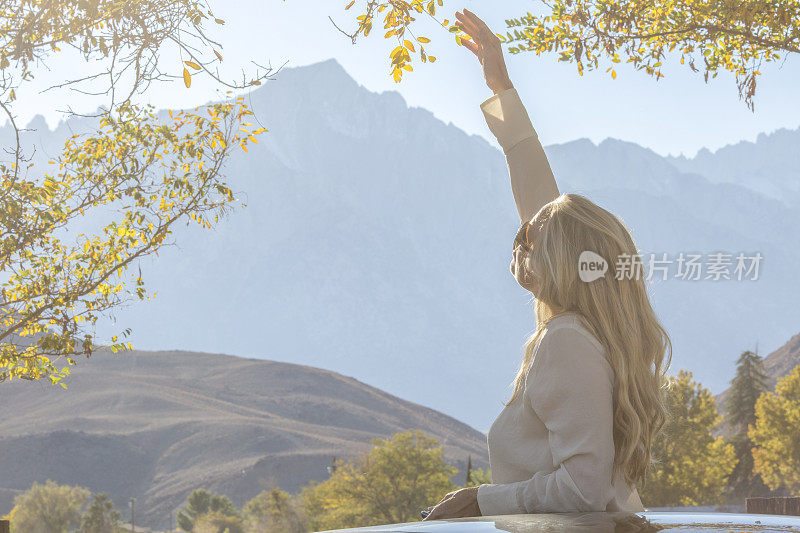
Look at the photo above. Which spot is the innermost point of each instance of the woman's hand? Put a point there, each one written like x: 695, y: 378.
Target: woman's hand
x: 486, y: 45
x: 457, y: 504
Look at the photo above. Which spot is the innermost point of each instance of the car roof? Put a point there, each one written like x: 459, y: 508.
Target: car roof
x: 601, y: 522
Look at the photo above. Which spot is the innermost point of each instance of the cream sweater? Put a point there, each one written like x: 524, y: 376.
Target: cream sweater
x: 552, y: 449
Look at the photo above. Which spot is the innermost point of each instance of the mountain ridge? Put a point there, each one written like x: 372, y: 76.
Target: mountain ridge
x: 157, y: 425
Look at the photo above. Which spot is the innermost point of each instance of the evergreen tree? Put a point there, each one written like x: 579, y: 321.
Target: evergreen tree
x: 469, y: 470
x: 101, y: 517
x: 750, y: 381
x: 748, y: 384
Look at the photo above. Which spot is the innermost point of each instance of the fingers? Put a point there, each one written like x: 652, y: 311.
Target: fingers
x: 436, y: 513
x: 471, y: 46
x: 449, y: 507
x: 472, y: 31
x: 467, y: 25
x: 479, y: 23
x: 432, y: 515
x: 478, y: 28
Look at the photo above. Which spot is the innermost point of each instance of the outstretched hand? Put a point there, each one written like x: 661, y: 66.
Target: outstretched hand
x: 487, y: 47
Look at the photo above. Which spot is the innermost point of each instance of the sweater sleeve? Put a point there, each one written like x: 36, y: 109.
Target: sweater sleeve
x: 569, y: 386
x: 532, y: 180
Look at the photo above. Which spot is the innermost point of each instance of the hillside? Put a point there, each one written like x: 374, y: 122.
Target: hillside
x: 156, y: 425
x: 783, y: 360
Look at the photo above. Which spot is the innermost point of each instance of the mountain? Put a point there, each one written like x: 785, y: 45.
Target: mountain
x: 376, y: 242
x: 156, y: 425
x: 770, y: 165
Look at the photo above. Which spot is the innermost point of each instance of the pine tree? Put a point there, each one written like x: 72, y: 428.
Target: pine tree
x: 748, y: 384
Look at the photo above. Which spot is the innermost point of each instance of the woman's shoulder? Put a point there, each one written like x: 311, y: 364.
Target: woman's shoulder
x: 568, y: 357
x: 570, y: 325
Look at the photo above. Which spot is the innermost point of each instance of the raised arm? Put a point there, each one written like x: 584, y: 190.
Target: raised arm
x: 532, y: 180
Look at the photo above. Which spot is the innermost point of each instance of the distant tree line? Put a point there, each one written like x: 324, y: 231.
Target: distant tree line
x: 52, y: 508
x: 406, y: 473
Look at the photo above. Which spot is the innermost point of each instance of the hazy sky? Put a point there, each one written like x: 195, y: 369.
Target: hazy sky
x: 677, y: 114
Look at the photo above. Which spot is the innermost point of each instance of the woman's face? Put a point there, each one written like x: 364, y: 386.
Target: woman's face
x: 526, y: 280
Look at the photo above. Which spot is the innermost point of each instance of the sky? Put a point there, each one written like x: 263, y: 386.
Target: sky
x: 678, y: 114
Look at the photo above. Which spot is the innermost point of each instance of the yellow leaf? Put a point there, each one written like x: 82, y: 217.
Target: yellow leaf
x: 614, y: 74
x: 432, y: 59
x: 193, y: 65
x: 423, y: 39
x: 219, y: 56
x: 187, y: 78
x: 408, y: 44
x: 350, y: 4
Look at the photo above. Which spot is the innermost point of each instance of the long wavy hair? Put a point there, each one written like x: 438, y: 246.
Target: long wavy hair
x: 616, y: 311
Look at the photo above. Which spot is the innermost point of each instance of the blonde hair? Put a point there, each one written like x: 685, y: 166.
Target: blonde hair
x: 616, y: 311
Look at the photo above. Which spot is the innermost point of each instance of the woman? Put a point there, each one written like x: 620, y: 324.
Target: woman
x: 588, y: 397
